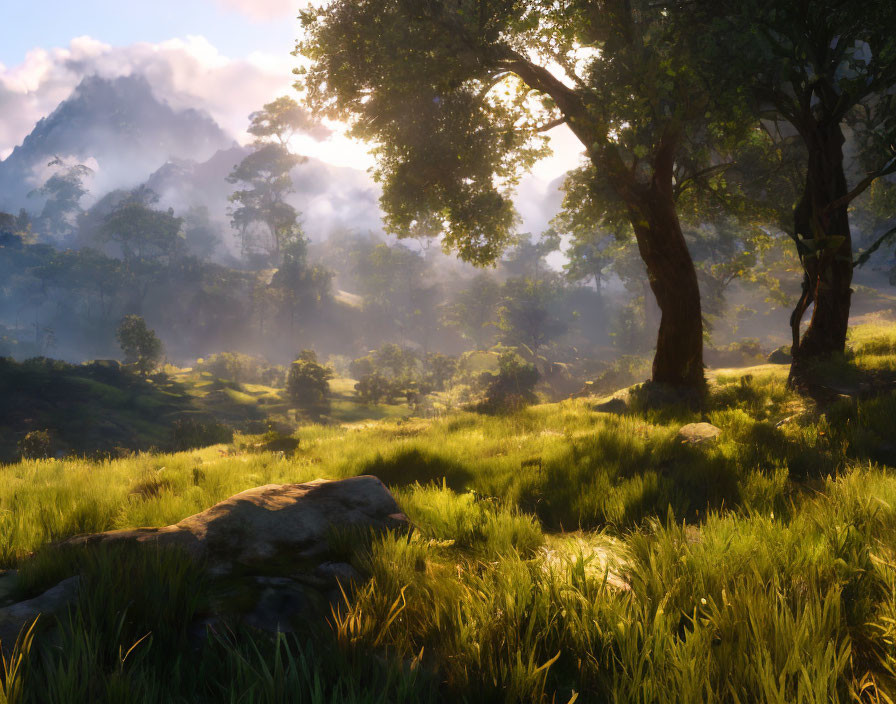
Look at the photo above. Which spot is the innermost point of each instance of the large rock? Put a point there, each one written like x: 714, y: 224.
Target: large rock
x: 15, y: 618
x: 273, y: 522
x: 698, y: 433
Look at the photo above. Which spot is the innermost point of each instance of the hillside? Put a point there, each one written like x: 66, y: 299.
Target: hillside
x: 561, y: 553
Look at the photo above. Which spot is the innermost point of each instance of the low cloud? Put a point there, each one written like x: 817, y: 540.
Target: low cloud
x: 187, y: 73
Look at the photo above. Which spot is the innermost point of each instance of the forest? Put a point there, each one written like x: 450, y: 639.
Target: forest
x: 277, y: 429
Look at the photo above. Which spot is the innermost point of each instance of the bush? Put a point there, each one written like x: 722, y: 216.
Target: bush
x: 372, y: 388
x: 36, y: 445
x: 190, y: 433
x: 511, y: 388
x: 308, y: 383
x: 389, y: 373
x: 241, y: 369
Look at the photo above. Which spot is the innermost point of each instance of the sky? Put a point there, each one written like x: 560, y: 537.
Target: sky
x: 227, y: 57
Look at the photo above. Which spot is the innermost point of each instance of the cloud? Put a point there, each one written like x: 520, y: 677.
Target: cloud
x: 188, y: 73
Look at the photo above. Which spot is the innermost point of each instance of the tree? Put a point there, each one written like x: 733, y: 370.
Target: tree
x: 201, y: 235
x: 140, y: 345
x: 63, y: 191
x: 526, y: 318
x: 143, y: 233
x: 456, y: 95
x: 474, y: 310
x: 308, y: 383
x: 815, y: 68
x: 265, y: 176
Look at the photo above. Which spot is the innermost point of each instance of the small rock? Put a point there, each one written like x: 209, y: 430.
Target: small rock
x: 340, y: 572
x: 698, y: 433
x: 614, y: 405
x: 18, y: 616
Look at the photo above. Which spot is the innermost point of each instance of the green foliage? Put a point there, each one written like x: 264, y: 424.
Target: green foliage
x: 474, y: 311
x: 264, y: 177
x: 63, y: 192
x: 140, y: 345
x: 511, y: 388
x: 189, y: 433
x: 37, y: 444
x: 241, y: 368
x: 308, y: 383
x: 388, y: 373
x: 526, y: 318
x: 141, y: 232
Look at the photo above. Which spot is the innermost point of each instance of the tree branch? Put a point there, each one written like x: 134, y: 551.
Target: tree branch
x: 547, y: 126
x: 866, y: 255
x: 861, y: 187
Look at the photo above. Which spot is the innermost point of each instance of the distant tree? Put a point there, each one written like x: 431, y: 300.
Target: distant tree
x: 142, y: 232
x: 308, y: 383
x: 63, y: 191
x: 200, y: 233
x: 526, y: 317
x: 527, y: 257
x: 139, y: 343
x: 474, y: 310
x: 280, y: 119
x: 438, y: 370
x: 264, y: 175
x: 297, y: 288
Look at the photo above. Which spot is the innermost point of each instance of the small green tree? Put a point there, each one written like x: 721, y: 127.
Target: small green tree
x: 139, y: 343
x: 308, y: 383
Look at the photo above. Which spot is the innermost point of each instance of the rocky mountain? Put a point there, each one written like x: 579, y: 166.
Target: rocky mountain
x: 117, y: 126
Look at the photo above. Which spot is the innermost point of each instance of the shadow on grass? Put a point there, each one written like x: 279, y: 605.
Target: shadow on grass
x: 405, y: 467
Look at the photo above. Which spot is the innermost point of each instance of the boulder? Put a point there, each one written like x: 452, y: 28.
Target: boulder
x: 281, y: 538
x: 15, y: 618
x: 275, y: 522
x: 698, y: 433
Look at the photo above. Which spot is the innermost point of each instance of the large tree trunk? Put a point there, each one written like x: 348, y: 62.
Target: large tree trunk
x: 827, y: 260
x: 673, y: 280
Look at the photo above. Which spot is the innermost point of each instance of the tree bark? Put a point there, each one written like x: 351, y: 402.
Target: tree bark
x: 827, y: 260
x: 673, y: 279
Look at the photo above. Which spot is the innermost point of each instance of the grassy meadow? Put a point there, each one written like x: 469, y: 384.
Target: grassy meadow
x: 560, y: 554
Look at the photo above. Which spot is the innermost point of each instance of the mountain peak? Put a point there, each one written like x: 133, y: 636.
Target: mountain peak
x: 120, y: 123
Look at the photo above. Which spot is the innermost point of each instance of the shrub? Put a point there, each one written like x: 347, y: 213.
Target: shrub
x: 511, y: 388
x: 36, y: 445
x: 308, y: 383
x: 241, y: 368
x: 372, y: 388
x: 190, y: 433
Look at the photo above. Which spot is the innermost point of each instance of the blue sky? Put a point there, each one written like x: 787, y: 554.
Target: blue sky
x: 54, y: 23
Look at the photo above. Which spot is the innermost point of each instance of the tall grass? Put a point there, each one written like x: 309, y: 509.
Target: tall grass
x: 759, y: 568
